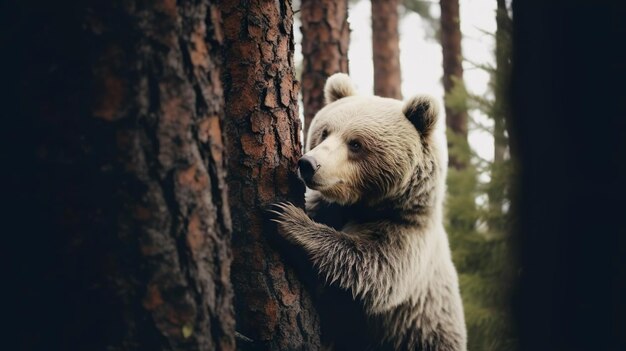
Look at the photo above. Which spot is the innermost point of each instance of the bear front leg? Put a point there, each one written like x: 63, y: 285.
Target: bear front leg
x: 351, y: 260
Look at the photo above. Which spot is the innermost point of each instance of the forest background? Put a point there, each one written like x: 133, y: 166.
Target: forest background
x: 144, y: 141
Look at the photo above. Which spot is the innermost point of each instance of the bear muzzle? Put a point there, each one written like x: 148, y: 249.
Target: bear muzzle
x: 307, y: 166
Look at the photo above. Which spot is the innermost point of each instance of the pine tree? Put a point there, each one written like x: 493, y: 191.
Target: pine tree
x: 273, y: 309
x: 119, y: 218
x: 325, y: 42
x: 500, y: 114
x: 455, y: 104
x: 482, y: 252
x: 386, y: 49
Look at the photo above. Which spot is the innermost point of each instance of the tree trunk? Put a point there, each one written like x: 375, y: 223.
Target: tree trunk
x: 456, y: 116
x: 272, y: 307
x: 501, y: 112
x: 386, y: 49
x: 118, y: 177
x: 502, y: 79
x: 325, y: 41
x: 568, y: 123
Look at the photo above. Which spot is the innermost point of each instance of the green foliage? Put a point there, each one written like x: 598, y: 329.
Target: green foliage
x: 421, y: 7
x: 478, y: 217
x: 457, y: 99
x: 462, y: 187
x: 481, y: 253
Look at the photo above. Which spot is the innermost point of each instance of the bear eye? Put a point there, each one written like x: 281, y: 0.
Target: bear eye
x: 354, y: 146
x: 324, y: 134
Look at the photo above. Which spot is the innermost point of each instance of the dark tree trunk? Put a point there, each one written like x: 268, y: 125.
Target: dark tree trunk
x: 386, y: 49
x: 456, y: 117
x: 568, y: 121
x: 325, y: 41
x: 119, y: 210
x: 263, y: 127
x: 501, y: 112
x: 502, y: 79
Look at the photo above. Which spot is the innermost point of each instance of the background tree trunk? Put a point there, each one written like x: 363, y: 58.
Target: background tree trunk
x: 502, y: 89
x: 325, y: 42
x: 263, y: 127
x: 117, y: 181
x: 456, y: 116
x: 386, y: 49
x: 501, y: 114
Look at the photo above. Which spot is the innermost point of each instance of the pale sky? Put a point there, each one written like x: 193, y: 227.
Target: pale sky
x: 421, y: 58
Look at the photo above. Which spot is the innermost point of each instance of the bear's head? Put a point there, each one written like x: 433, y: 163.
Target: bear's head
x: 368, y: 148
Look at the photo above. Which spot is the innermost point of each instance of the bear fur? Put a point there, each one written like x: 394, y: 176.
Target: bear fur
x: 374, y: 216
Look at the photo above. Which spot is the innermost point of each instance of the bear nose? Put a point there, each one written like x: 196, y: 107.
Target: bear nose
x: 307, y: 167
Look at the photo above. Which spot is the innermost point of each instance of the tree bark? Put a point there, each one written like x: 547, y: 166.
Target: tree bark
x: 456, y: 118
x: 386, y: 49
x: 272, y: 307
x: 118, y: 183
x: 325, y: 42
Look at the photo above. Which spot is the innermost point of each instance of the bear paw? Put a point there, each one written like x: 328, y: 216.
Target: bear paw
x: 293, y: 223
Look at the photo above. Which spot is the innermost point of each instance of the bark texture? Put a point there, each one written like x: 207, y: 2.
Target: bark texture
x: 386, y: 49
x: 272, y: 307
x: 325, y: 42
x: 119, y: 179
x: 456, y: 117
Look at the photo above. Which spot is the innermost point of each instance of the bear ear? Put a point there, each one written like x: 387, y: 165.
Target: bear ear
x: 422, y: 111
x: 338, y: 86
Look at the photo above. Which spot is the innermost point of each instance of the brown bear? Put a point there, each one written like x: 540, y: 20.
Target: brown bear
x: 375, y: 172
